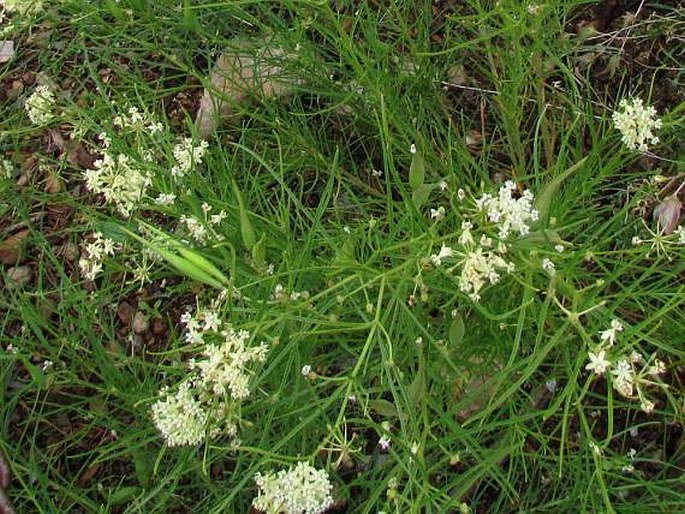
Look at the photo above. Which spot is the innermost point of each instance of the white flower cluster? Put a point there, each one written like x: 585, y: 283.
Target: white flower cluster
x: 507, y: 211
x: 480, y: 267
x: 629, y: 374
x: 198, y: 229
x: 300, y: 490
x: 120, y: 180
x: 207, y: 401
x: 21, y: 7
x: 481, y: 260
x: 40, y: 105
x: 135, y: 120
x: 6, y: 169
x: 95, y: 252
x: 225, y: 367
x: 187, y: 155
x: 636, y: 123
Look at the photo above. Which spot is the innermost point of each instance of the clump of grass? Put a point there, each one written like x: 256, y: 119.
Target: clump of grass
x: 468, y: 295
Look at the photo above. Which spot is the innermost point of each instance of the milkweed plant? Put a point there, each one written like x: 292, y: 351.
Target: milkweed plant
x: 265, y: 285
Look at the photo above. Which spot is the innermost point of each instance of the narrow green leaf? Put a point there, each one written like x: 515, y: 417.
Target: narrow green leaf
x: 417, y: 171
x: 187, y: 268
x: 544, y: 198
x: 246, y: 230
x: 202, y: 264
x: 195, y: 268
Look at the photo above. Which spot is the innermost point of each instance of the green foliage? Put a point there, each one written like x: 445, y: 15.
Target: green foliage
x: 327, y: 251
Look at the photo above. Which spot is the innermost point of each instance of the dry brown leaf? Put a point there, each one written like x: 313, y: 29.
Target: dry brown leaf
x: 13, y: 246
x: 125, y: 313
x: 54, y: 183
x: 18, y: 276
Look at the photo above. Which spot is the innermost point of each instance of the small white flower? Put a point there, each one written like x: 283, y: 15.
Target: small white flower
x: 559, y: 248
x: 596, y: 449
x: 608, y: 336
x: 598, y: 363
x: 623, y: 378
x: 627, y: 468
x: 279, y: 292
x: 635, y: 241
x: 442, y: 185
x: 187, y: 155
x: 412, y: 149
x: 461, y: 194
x: 445, y: 252
x: 414, y: 448
x: 306, y: 370
x: 155, y: 128
x: 647, y: 406
x: 384, y: 443
x: 195, y: 227
x: 438, y: 214
x: 548, y: 266
x: 165, y: 199
x: 216, y: 219
x: 104, y: 139
x: 551, y: 385
x: 680, y: 232
x: 658, y: 368
x: 466, y: 238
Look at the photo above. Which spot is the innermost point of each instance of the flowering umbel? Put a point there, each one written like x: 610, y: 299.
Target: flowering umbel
x: 207, y: 403
x: 630, y: 375
x: 40, y: 105
x: 636, y: 123
x: 300, y: 490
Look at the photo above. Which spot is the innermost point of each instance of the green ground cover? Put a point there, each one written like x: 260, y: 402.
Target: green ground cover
x: 444, y: 273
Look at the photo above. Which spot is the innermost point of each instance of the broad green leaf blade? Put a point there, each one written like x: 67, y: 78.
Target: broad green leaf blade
x: 383, y: 408
x: 420, y: 195
x: 417, y: 171
x: 259, y: 252
x: 457, y: 330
